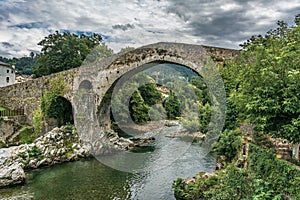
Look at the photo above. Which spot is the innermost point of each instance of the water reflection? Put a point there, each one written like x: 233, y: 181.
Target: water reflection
x: 90, y: 179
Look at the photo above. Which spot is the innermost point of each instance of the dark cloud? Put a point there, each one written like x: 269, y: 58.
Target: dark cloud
x: 224, y: 23
x: 217, y: 21
x: 6, y: 44
x: 123, y: 27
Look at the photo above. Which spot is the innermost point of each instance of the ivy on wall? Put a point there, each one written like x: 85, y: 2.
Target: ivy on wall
x: 54, y: 105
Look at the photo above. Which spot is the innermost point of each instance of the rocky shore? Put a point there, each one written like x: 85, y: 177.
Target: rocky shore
x: 57, y: 146
x: 64, y: 145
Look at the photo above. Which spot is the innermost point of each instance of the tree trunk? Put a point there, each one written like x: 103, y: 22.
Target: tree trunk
x: 296, y: 151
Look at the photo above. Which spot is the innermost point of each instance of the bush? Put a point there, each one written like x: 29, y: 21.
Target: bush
x: 27, y: 135
x: 283, y: 177
x: 38, y: 120
x: 35, y: 152
x: 229, y: 144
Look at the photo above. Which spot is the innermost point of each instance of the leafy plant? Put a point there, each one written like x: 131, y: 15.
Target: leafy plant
x: 139, y: 110
x: 38, y: 120
x: 27, y: 135
x: 229, y: 144
x: 54, y: 105
x: 35, y: 152
x: 172, y: 106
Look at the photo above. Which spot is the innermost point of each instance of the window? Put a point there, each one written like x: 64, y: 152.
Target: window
x: 7, y: 79
x: 7, y: 71
x: 12, y: 71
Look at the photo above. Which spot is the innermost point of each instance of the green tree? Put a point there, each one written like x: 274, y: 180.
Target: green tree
x: 229, y: 144
x: 157, y: 112
x: 38, y: 120
x: 23, y: 65
x: 172, y: 106
x: 62, y: 51
x: 139, y: 110
x: 266, y: 82
x: 150, y: 94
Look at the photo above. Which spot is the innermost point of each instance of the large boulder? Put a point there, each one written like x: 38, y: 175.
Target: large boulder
x: 11, y: 172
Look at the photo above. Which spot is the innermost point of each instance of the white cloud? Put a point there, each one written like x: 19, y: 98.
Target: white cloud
x: 224, y: 23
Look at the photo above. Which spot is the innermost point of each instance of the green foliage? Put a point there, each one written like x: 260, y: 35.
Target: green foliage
x: 2, y: 144
x: 38, y: 120
x: 172, y: 106
x: 200, y: 89
x: 139, y: 110
x: 2, y: 108
x: 150, y: 94
x: 265, y: 82
x: 27, y: 135
x: 54, y: 105
x: 229, y: 144
x: 23, y: 65
x: 204, y: 117
x: 282, y: 177
x: 232, y: 183
x: 35, y: 152
x: 143, y: 97
x: 62, y: 51
x: 191, y: 125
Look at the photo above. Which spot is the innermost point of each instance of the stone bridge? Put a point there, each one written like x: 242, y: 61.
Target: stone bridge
x: 99, y: 77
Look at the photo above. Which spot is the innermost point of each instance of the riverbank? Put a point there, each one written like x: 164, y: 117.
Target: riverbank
x: 92, y: 179
x: 251, y: 172
x: 57, y: 146
x: 156, y: 126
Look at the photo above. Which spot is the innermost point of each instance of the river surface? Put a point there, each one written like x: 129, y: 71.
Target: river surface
x: 91, y: 179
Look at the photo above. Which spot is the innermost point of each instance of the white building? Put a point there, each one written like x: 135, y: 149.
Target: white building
x: 7, y: 74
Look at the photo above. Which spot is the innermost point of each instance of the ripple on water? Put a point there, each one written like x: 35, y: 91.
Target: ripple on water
x: 90, y: 179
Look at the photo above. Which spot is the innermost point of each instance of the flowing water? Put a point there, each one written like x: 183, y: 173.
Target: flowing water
x: 90, y: 179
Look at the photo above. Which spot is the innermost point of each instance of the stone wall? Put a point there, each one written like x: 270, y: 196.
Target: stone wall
x: 102, y: 75
x: 10, y: 126
x: 27, y: 95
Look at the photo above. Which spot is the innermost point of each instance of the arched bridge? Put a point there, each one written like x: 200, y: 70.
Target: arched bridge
x: 99, y: 77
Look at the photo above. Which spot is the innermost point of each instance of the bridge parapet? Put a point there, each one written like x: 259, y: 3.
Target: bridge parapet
x: 102, y: 75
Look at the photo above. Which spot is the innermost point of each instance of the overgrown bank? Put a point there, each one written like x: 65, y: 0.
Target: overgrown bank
x: 262, y: 88
x: 252, y: 172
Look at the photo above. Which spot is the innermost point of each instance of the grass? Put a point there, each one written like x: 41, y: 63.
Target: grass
x: 2, y: 108
x: 27, y: 135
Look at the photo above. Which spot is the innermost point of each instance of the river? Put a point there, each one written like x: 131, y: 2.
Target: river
x: 91, y: 179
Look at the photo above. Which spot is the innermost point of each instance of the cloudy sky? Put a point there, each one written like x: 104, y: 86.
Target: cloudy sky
x: 224, y: 23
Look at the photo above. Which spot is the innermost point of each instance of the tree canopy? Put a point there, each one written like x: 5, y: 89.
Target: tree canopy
x: 264, y: 81
x: 62, y: 51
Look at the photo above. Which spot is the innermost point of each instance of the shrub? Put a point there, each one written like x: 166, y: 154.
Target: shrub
x: 38, y: 120
x: 229, y: 144
x: 27, y: 135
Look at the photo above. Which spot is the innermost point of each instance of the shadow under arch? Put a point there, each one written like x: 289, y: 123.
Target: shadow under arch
x: 104, y: 110
x: 62, y: 111
x: 107, y: 75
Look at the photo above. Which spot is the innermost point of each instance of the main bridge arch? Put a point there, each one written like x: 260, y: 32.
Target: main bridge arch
x: 100, y: 77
